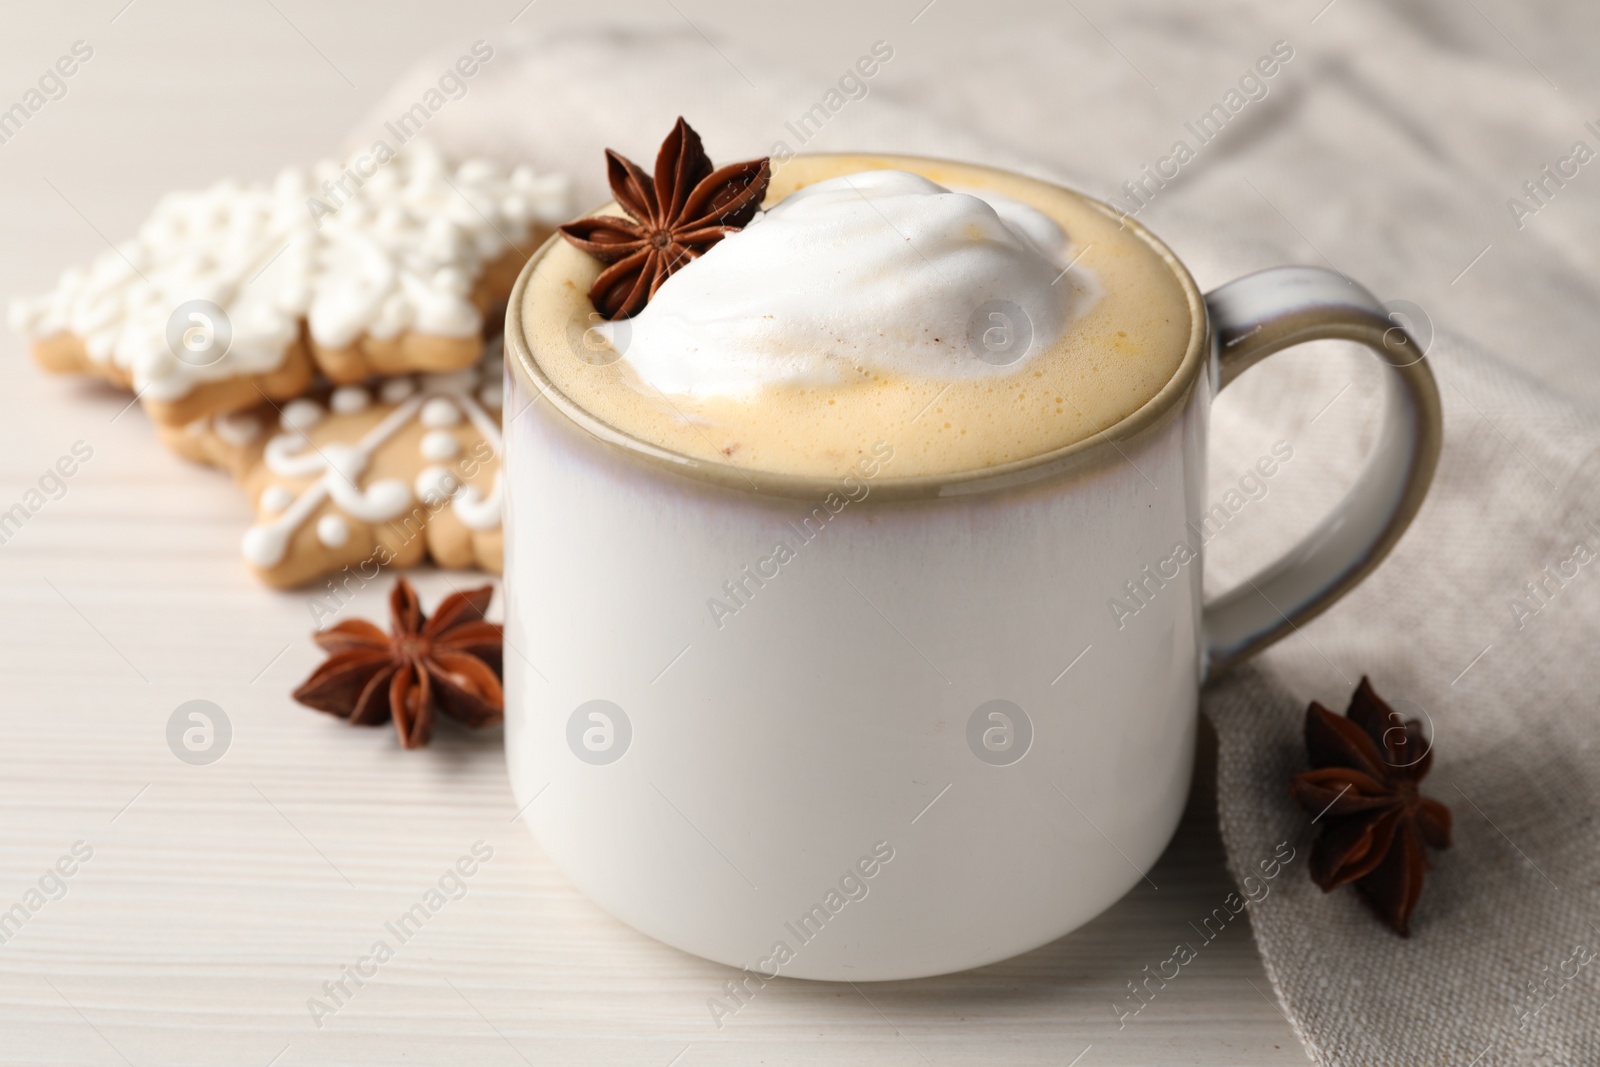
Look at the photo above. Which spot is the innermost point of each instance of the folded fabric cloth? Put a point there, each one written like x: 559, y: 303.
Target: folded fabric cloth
x: 1375, y: 131
x: 1483, y: 623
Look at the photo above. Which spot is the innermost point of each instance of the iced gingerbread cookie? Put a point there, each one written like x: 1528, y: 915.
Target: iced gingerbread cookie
x: 231, y: 441
x: 364, y: 477
x: 240, y: 293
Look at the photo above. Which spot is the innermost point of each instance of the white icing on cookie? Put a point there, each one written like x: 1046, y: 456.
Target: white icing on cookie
x: 441, y: 400
x: 440, y: 445
x: 439, y: 413
x: 346, y: 461
x: 435, y: 484
x: 396, y: 389
x: 333, y: 531
x: 400, y: 250
x: 274, y: 498
x: 337, y: 467
x: 477, y: 511
x: 300, y: 414
x: 290, y: 455
x: 237, y: 430
x: 349, y: 399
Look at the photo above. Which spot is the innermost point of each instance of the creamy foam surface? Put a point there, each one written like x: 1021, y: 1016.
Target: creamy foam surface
x: 844, y: 317
x: 873, y: 273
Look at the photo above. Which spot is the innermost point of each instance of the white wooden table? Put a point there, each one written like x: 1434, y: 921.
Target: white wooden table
x: 219, y: 899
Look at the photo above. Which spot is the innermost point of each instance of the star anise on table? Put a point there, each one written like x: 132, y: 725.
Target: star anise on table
x: 449, y: 663
x: 674, y: 218
x: 1366, y: 766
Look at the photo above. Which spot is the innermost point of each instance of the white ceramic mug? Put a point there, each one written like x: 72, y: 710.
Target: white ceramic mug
x: 919, y: 741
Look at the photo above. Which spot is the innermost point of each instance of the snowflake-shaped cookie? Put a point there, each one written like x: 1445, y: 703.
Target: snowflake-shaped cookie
x: 358, y: 478
x: 385, y: 267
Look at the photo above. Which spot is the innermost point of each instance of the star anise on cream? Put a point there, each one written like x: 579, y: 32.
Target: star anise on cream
x: 449, y: 663
x: 673, y: 218
x: 1365, y: 770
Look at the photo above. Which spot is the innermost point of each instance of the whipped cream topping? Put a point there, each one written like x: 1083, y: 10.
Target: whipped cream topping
x: 878, y: 272
x: 401, y: 253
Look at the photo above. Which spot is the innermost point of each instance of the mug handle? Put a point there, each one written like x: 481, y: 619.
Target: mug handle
x: 1255, y: 316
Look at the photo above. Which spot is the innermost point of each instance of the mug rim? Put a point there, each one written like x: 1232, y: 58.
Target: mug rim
x: 1154, y: 412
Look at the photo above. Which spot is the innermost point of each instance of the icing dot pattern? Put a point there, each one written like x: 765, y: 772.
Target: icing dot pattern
x: 349, y: 399
x: 274, y: 498
x: 436, y: 483
x: 439, y: 413
x: 440, y: 445
x: 301, y: 414
x: 440, y: 402
x: 333, y: 531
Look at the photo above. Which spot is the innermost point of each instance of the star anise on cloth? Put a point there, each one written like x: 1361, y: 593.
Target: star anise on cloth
x: 684, y: 210
x: 1365, y: 770
x: 449, y: 663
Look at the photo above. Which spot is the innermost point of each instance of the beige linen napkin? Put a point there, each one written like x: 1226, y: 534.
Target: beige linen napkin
x: 1472, y: 626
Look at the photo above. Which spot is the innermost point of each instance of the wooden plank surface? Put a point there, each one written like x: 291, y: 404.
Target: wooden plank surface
x: 219, y: 899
